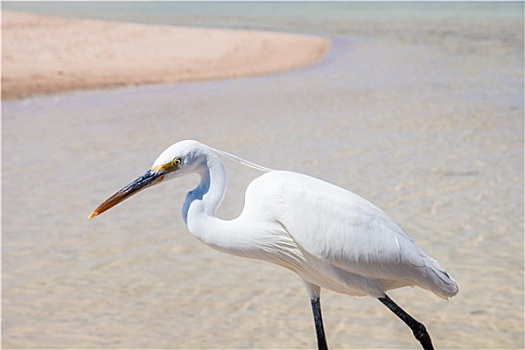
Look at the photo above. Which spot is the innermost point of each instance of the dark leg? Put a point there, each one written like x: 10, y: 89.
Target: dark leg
x: 417, y: 328
x: 318, y: 319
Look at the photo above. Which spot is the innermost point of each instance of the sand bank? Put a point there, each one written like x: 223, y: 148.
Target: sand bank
x: 44, y: 54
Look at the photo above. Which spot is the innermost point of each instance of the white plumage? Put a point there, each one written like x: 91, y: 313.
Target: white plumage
x: 342, y: 241
x: 331, y: 237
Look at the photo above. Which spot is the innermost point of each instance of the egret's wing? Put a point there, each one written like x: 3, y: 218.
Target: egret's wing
x: 342, y: 228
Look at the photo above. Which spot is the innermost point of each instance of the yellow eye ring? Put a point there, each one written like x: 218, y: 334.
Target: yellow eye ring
x: 176, y: 161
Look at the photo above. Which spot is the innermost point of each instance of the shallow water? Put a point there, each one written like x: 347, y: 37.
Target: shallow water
x: 425, y: 121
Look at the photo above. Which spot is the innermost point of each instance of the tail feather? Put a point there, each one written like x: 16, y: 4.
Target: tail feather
x: 442, y: 284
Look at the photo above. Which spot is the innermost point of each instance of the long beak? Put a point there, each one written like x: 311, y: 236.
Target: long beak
x: 149, y: 178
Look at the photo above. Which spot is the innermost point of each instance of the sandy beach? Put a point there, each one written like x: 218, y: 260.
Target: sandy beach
x: 420, y: 110
x: 44, y: 54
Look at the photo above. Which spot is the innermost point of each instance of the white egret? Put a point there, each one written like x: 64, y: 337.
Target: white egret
x: 329, y: 236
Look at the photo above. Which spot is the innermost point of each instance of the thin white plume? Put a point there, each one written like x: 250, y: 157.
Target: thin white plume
x: 242, y: 161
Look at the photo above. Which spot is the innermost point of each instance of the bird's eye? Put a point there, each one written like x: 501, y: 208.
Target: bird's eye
x: 176, y: 161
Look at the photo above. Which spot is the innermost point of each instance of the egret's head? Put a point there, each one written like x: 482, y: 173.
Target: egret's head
x: 179, y: 159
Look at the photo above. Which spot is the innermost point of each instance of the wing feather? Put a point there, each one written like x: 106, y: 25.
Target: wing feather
x: 345, y: 230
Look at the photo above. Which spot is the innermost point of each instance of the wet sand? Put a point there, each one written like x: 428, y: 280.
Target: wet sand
x: 428, y: 125
x: 43, y: 54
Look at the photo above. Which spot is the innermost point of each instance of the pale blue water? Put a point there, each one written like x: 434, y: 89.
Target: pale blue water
x: 306, y: 17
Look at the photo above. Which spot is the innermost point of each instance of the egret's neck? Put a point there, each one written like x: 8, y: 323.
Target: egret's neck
x: 228, y: 236
x: 203, y: 201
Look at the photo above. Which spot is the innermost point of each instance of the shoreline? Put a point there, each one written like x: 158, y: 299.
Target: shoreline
x: 46, y: 55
